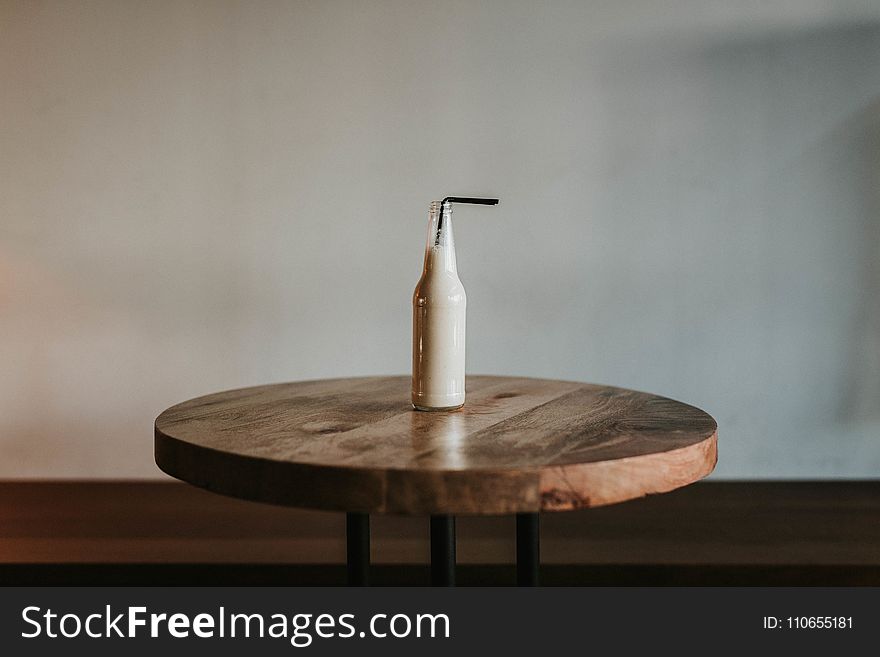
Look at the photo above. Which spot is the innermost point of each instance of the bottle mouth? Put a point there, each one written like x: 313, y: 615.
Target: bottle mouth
x: 437, y: 206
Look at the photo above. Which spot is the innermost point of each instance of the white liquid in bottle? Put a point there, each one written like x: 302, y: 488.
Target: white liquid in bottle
x: 439, y: 308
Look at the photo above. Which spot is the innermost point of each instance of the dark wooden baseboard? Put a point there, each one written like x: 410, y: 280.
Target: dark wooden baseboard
x: 712, y: 533
x: 416, y: 575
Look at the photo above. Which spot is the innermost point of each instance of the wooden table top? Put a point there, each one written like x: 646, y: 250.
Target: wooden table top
x: 518, y: 445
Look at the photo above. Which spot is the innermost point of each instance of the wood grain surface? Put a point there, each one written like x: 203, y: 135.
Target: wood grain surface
x: 518, y: 445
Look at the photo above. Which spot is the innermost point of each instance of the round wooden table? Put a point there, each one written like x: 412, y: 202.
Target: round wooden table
x: 518, y: 446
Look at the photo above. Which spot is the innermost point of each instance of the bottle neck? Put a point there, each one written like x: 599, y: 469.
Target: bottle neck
x: 440, y: 247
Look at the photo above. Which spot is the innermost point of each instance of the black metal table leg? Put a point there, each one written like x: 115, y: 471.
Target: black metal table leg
x: 528, y: 545
x: 357, y: 543
x: 442, y: 550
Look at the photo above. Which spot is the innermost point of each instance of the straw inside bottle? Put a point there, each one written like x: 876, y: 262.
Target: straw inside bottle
x: 461, y: 199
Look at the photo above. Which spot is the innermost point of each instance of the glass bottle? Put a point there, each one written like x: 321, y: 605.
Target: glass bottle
x: 439, y: 314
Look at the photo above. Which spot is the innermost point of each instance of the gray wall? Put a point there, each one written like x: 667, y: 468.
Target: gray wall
x: 196, y: 196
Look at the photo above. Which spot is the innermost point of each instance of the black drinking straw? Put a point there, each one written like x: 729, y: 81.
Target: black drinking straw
x: 462, y: 199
